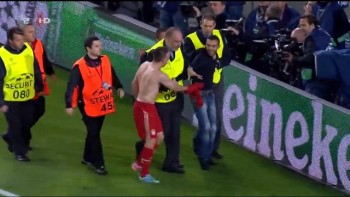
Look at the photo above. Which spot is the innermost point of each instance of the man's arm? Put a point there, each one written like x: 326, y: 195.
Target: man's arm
x: 226, y: 54
x: 172, y: 85
x: 188, y: 49
x: 184, y: 74
x: 115, y: 80
x: 307, y: 60
x: 2, y: 76
x: 38, y: 80
x: 75, y: 78
x: 195, y: 66
x: 47, y: 65
x: 135, y: 87
x: 135, y: 81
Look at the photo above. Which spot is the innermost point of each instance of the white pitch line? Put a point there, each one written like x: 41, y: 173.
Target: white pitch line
x: 6, y: 193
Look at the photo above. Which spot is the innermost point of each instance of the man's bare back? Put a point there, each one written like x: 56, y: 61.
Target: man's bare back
x: 147, y: 80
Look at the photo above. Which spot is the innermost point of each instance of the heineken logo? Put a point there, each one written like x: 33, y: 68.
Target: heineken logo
x: 307, y: 142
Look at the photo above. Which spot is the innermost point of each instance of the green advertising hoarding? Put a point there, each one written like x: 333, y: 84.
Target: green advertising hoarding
x: 260, y: 114
x: 76, y: 22
x: 288, y: 126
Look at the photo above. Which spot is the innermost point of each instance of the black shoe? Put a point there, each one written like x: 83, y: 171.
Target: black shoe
x: 86, y: 162
x: 174, y: 170
x: 195, y: 146
x: 22, y: 158
x: 211, y: 162
x: 217, y: 155
x: 101, y: 170
x: 204, y: 164
x: 181, y: 166
x: 9, y: 144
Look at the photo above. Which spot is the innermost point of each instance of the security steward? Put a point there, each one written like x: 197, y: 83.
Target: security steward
x: 20, y: 78
x: 46, y: 68
x: 90, y: 88
x: 196, y: 41
x: 170, y: 104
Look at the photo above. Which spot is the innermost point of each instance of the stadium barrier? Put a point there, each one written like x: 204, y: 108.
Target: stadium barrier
x: 263, y: 115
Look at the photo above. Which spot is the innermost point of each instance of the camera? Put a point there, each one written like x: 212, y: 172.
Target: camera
x: 233, y: 41
x: 275, y: 49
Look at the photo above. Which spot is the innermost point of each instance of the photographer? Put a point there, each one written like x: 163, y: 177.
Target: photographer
x: 257, y: 46
x: 255, y: 18
x: 289, y: 74
x: 289, y: 16
x: 218, y: 9
x: 317, y: 39
x: 170, y: 15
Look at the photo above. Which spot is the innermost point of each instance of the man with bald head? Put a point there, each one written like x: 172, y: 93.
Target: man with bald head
x: 170, y: 104
x: 299, y: 34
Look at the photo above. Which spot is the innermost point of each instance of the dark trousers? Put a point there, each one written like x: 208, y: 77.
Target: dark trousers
x: 170, y: 115
x: 18, y: 117
x: 38, y: 112
x: 219, y: 100
x: 93, y: 151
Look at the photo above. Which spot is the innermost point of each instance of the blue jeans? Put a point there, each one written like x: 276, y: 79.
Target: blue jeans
x: 173, y: 20
x: 206, y: 132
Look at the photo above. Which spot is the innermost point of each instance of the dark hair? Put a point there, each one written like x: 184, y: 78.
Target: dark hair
x: 89, y: 40
x: 214, y: 37
x: 14, y: 30
x: 159, y: 53
x: 273, y: 11
x: 170, y: 32
x: 209, y: 17
x: 159, y: 31
x: 222, y: 2
x: 310, y: 19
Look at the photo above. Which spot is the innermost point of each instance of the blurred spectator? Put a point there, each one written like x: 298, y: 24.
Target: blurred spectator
x: 234, y: 9
x: 343, y: 4
x: 113, y: 5
x: 255, y: 18
x: 309, y: 8
x: 218, y: 9
x: 334, y: 20
x: 160, y: 34
x: 147, y: 12
x: 170, y: 16
x: 290, y: 16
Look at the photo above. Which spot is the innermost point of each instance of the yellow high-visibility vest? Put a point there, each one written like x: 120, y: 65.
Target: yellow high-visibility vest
x: 198, y: 45
x: 19, y: 79
x: 172, y: 69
